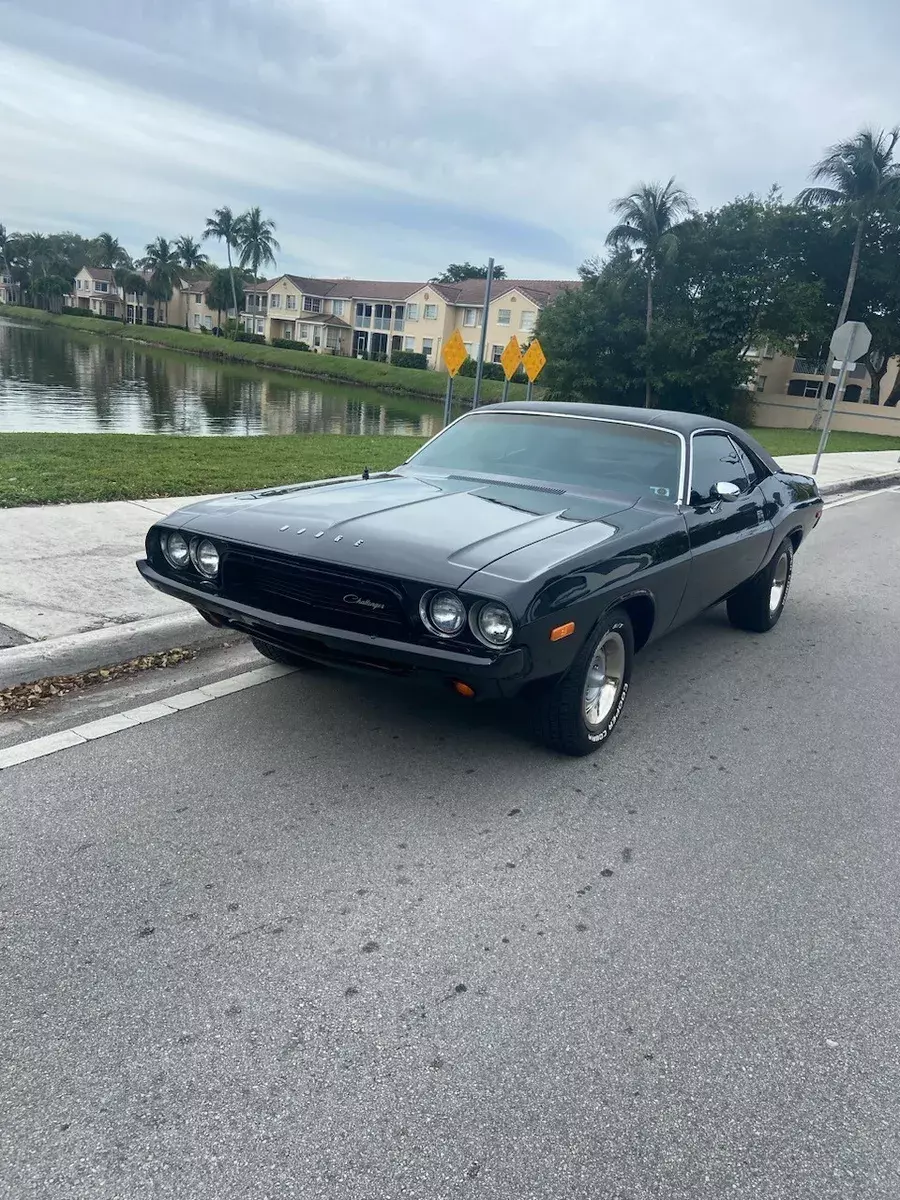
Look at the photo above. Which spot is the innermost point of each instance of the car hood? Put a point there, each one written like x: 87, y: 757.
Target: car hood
x: 435, y: 529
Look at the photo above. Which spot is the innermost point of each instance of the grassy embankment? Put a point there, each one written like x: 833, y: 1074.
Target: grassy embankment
x: 57, y: 468
x: 359, y: 372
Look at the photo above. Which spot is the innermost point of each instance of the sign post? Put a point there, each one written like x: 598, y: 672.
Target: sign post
x: 849, y: 342
x: 509, y: 361
x: 479, y: 370
x: 533, y: 360
x: 454, y: 355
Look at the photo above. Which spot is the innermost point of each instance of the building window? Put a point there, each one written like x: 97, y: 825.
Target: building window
x: 364, y: 314
x: 427, y: 346
x: 470, y: 316
x: 77, y: 283
x: 496, y: 352
x: 852, y: 394
x: 503, y: 316
x: 409, y: 343
x: 337, y: 307
x: 311, y: 304
x: 260, y: 325
x: 304, y: 333
x: 526, y: 321
x: 101, y: 287
x: 761, y: 382
x: 198, y: 297
x: 207, y: 321
x: 468, y: 346
x: 275, y: 301
x: 412, y: 312
x: 431, y: 312
x: 196, y: 320
x: 290, y: 302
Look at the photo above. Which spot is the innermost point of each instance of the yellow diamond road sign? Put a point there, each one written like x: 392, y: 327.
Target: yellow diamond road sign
x: 534, y: 360
x: 454, y: 353
x: 511, y: 357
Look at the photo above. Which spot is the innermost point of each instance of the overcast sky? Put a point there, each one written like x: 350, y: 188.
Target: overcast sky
x: 389, y: 137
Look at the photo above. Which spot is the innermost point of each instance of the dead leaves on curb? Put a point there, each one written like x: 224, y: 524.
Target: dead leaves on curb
x: 29, y: 695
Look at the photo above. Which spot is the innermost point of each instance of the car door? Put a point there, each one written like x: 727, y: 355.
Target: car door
x: 728, y: 537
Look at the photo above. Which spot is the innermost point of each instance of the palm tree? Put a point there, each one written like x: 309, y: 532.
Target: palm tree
x: 864, y: 180
x: 190, y: 253
x: 109, y: 252
x: 256, y: 240
x: 163, y: 263
x: 225, y: 227
x: 648, y: 219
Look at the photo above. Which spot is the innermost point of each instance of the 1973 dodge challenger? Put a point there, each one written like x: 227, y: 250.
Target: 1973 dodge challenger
x: 527, y: 547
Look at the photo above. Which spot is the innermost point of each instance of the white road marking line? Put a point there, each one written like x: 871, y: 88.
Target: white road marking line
x: 860, y: 496
x: 129, y: 718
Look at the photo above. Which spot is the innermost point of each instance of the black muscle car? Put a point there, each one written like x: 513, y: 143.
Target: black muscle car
x: 530, y: 547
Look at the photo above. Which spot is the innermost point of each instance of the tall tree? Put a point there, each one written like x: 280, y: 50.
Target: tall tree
x: 163, y: 263
x: 459, y: 272
x: 224, y: 285
x: 256, y: 240
x: 190, y: 253
x: 109, y: 252
x: 859, y: 178
x: 226, y: 227
x: 648, y: 218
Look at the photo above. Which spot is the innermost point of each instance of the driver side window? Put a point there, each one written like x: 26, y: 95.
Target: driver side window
x: 714, y: 459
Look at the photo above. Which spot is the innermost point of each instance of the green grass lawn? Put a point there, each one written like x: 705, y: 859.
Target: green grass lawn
x: 58, y: 468
x: 382, y: 376
x: 806, y: 441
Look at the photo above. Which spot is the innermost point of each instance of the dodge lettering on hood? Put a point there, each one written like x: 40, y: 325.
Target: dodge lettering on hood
x: 528, y: 548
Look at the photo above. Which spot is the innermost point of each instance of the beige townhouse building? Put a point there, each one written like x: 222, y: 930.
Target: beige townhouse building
x: 7, y: 289
x: 363, y: 317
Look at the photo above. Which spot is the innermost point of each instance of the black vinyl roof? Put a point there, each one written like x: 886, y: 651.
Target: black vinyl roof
x: 685, y: 423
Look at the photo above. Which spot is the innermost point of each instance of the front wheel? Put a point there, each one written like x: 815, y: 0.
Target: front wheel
x: 758, y: 603
x: 580, y: 711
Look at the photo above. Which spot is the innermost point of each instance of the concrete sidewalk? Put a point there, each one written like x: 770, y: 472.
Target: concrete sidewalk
x: 71, y: 599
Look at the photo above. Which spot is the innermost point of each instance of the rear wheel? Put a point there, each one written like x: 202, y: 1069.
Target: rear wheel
x: 580, y: 711
x: 286, y: 657
x: 758, y: 604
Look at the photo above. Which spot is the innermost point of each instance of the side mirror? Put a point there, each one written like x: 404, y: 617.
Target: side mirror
x: 725, y: 491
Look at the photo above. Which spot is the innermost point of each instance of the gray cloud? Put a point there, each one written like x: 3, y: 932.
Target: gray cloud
x: 391, y: 136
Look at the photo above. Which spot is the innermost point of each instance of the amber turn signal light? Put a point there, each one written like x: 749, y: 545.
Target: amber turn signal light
x: 562, y: 631
x: 463, y: 688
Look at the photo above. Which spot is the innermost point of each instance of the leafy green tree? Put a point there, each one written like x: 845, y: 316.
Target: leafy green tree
x: 164, y: 265
x: 459, y: 272
x: 190, y: 253
x: 256, y: 241
x: 225, y: 287
x: 226, y: 227
x: 858, y: 178
x: 647, y: 221
x: 50, y: 289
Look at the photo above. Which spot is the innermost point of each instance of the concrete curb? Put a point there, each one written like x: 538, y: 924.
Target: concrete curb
x: 866, y: 484
x: 79, y: 652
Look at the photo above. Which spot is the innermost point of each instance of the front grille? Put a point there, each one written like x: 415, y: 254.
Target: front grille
x: 309, y: 591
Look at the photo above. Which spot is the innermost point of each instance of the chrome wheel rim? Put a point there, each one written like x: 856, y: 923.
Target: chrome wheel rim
x: 605, y: 677
x: 779, y: 584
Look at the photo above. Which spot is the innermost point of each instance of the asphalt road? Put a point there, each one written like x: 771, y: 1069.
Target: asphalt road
x: 333, y: 938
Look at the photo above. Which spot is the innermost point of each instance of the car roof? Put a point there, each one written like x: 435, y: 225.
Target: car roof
x: 684, y: 423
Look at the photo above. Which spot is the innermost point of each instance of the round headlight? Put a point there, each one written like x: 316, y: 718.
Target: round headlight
x: 494, y: 624
x: 175, y: 548
x: 206, y: 557
x: 446, y: 614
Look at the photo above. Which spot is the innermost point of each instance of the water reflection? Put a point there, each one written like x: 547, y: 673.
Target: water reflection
x: 55, y: 380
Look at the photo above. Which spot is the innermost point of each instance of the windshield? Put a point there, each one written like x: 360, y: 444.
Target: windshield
x: 588, y: 453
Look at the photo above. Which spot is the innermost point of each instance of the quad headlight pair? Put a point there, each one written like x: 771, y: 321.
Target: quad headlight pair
x: 179, y: 553
x: 445, y: 614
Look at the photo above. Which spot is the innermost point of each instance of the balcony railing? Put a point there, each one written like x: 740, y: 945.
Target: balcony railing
x: 362, y: 321
x: 381, y: 322
x: 399, y: 324
x: 816, y: 366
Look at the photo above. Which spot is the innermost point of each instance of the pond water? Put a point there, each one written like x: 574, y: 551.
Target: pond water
x: 56, y: 380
